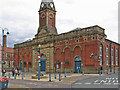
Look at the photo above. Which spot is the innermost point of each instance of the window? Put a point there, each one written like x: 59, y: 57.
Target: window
x: 101, y: 54
x: 116, y: 56
x: 77, y: 40
x: 85, y: 39
x: 107, y: 60
x: 58, y: 43
x: 112, y: 62
x: 67, y: 42
x: 112, y: 52
x: 116, y: 53
x: 101, y: 50
x: 107, y: 51
x: 8, y: 55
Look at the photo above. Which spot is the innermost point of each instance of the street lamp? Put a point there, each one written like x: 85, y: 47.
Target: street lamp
x: 2, y: 43
x: 39, y: 61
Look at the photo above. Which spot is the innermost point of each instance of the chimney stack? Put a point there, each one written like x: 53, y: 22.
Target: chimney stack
x: 4, y: 41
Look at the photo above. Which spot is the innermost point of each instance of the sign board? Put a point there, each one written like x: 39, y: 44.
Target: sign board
x: 95, y: 57
x: 57, y: 66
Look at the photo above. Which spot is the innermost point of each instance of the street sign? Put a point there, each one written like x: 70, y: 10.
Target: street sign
x: 57, y: 66
x: 99, y: 60
x: 95, y: 57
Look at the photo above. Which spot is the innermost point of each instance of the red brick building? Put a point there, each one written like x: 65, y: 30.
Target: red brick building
x: 8, y: 54
x: 78, y: 50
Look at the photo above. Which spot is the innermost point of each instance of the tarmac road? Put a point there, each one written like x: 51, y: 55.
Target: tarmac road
x: 107, y: 81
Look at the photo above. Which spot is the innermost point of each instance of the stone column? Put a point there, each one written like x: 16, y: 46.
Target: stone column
x: 34, y: 58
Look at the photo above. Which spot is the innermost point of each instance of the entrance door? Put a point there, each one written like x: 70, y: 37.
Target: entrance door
x: 43, y: 63
x: 77, y: 64
x: 20, y: 64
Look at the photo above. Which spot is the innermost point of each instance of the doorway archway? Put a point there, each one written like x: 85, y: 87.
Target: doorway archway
x: 77, y: 64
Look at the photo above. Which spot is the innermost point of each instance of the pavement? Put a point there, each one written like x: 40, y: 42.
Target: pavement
x: 28, y: 82
x: 45, y: 78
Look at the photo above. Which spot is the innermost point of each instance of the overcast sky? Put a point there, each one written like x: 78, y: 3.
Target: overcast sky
x: 22, y: 19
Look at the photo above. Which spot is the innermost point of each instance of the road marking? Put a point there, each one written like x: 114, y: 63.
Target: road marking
x: 116, y: 83
x: 112, y: 78
x: 104, y: 81
x: 78, y: 83
x: 88, y: 83
x: 107, y: 83
x: 113, y: 81
x: 96, y: 83
x: 116, y: 78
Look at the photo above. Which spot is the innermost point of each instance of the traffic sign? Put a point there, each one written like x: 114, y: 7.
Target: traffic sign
x: 95, y: 57
x: 99, y: 60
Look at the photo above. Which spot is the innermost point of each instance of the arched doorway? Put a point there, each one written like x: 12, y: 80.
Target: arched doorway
x: 43, y: 63
x: 77, y: 64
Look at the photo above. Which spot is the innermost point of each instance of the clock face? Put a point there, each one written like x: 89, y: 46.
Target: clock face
x: 51, y: 4
x: 42, y: 5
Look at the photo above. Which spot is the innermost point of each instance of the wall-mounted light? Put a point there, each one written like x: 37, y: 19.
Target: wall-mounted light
x: 91, y: 55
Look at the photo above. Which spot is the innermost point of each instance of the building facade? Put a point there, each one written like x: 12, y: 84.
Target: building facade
x: 74, y: 51
x: 6, y: 55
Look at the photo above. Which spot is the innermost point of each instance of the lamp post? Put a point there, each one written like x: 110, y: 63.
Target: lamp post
x: 39, y: 61
x: 3, y: 43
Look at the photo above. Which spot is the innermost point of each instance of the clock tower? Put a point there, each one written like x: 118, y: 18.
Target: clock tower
x: 47, y: 17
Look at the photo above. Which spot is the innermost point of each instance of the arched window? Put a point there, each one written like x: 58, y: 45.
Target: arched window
x: 107, y: 56
x: 116, y: 56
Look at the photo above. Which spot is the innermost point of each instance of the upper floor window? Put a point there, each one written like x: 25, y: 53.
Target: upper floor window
x: 101, y: 50
x: 107, y: 61
x: 116, y: 56
x: 112, y: 62
x: 112, y: 52
x: 116, y: 52
x: 107, y: 51
x: 101, y: 54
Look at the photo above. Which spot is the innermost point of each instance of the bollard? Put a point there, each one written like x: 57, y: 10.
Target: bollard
x: 59, y: 76
x: 15, y: 75
x: 55, y: 75
x: 114, y: 70
x: 65, y: 74
x: 9, y: 75
x: 83, y: 72
x: 49, y: 77
x: 107, y: 71
x: 22, y: 76
x: 99, y: 71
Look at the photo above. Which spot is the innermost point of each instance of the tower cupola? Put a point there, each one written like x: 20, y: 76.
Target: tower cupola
x: 47, y: 17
